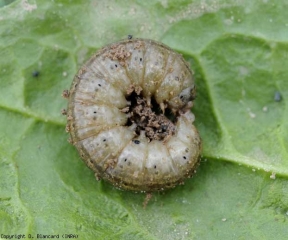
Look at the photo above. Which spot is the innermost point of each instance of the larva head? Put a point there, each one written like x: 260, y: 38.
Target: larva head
x: 129, y: 115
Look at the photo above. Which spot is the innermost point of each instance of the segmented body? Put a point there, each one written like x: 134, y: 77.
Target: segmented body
x: 119, y: 116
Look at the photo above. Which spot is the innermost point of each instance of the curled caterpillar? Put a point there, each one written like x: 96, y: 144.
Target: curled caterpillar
x: 129, y: 116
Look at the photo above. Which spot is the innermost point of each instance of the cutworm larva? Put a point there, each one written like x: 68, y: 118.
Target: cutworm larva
x: 129, y: 115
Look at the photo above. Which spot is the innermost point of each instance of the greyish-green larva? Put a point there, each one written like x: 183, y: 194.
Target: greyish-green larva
x: 129, y: 115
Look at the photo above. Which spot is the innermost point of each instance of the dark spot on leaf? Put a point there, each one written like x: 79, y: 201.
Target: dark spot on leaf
x: 35, y: 73
x: 277, y: 96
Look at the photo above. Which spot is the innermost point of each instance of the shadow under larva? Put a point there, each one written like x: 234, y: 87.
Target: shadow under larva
x: 129, y: 115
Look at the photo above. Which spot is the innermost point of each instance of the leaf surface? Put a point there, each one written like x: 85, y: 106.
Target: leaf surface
x: 238, y: 51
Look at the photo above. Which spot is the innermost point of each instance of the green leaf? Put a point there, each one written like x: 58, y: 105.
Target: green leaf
x: 238, y: 51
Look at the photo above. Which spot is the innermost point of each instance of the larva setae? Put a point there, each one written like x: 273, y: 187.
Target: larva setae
x: 129, y: 115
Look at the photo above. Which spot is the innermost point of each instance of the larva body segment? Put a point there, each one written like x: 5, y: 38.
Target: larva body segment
x: 129, y: 116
